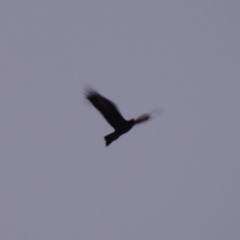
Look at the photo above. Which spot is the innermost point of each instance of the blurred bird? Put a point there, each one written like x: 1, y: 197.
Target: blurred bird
x: 111, y: 113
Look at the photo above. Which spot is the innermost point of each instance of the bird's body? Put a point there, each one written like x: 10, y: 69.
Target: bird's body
x: 111, y: 113
x: 124, y: 128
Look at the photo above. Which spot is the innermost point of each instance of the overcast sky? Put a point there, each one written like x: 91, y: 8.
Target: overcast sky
x: 176, y: 177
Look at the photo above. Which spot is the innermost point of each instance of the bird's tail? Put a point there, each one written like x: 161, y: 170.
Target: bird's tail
x: 110, y: 138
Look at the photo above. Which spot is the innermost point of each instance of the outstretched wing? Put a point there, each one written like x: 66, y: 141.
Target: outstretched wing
x: 107, y: 108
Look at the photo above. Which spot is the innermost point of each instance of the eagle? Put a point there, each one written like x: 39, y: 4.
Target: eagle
x: 110, y: 112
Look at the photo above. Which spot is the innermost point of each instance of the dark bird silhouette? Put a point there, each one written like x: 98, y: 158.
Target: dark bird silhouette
x: 111, y: 113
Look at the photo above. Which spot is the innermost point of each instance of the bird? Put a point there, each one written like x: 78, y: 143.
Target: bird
x: 110, y: 112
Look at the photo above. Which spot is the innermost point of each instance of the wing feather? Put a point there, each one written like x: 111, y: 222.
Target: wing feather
x: 106, y: 107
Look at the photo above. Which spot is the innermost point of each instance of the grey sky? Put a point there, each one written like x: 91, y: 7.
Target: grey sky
x: 176, y: 177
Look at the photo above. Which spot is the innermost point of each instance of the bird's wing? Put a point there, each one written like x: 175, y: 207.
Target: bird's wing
x: 106, y: 107
x: 142, y: 118
x: 145, y: 117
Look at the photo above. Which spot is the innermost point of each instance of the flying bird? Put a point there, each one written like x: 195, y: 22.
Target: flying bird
x: 113, y: 116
